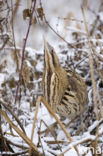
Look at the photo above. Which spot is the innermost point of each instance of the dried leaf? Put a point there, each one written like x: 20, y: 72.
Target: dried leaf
x: 26, y: 73
x: 26, y: 13
x: 34, y: 20
x: 40, y: 13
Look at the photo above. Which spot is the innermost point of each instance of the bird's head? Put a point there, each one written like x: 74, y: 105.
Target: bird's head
x: 51, y: 60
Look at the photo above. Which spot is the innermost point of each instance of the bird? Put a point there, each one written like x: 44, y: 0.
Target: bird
x: 63, y: 88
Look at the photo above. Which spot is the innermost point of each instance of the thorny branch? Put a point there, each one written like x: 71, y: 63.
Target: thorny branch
x: 23, y: 51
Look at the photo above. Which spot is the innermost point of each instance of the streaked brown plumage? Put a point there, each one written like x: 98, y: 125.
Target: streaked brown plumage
x: 64, y: 89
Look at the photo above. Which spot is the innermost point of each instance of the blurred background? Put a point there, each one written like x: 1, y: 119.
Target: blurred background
x: 64, y: 16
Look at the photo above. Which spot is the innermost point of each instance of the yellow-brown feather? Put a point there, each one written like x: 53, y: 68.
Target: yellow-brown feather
x: 63, y: 88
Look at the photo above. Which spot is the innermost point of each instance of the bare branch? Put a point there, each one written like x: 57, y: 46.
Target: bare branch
x: 23, y: 51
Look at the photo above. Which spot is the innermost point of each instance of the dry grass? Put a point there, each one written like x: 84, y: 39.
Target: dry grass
x: 87, y: 61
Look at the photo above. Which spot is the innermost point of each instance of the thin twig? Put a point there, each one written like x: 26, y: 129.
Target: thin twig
x: 12, y: 25
x: 59, y: 122
x: 51, y: 142
x: 16, y: 118
x: 15, y: 9
x: 27, y: 140
x: 41, y: 146
x: 48, y: 128
x: 92, y: 75
x: 23, y: 51
x: 46, y: 21
x: 91, y: 66
x: 17, y: 145
x: 53, y: 134
x: 34, y: 122
x: 87, y: 138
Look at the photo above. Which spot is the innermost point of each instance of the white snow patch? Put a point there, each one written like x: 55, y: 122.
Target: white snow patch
x: 2, y: 78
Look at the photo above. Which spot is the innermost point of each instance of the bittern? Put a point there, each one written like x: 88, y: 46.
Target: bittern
x: 63, y: 88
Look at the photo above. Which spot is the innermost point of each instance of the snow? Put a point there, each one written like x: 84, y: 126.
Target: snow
x: 2, y: 78
x: 35, y: 52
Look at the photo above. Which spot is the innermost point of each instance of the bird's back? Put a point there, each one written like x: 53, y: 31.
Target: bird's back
x: 75, y: 97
